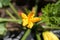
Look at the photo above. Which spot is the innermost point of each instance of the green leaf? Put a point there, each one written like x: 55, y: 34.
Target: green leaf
x: 14, y: 10
x: 11, y: 20
x: 10, y: 14
x: 51, y: 15
x: 3, y: 30
x: 38, y: 36
x: 26, y: 34
x: 0, y: 5
x: 4, y: 3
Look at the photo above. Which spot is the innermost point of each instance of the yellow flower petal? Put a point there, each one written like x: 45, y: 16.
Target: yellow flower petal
x: 30, y: 19
x: 36, y: 19
x: 30, y: 25
x: 33, y: 9
x: 45, y: 36
x: 49, y: 36
x: 53, y: 36
x: 31, y: 14
x: 23, y: 15
x: 25, y: 22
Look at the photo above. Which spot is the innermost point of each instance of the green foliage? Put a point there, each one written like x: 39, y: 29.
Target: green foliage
x: 0, y: 5
x: 51, y: 15
x: 4, y: 3
x: 3, y: 30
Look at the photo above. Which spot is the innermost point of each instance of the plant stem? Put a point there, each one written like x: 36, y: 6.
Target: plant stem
x: 10, y: 14
x: 52, y: 27
x: 38, y: 36
x: 26, y: 34
x: 15, y: 11
x: 36, y: 7
x: 5, y: 19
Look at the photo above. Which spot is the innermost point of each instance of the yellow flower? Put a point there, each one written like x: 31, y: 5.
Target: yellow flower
x: 29, y: 20
x: 49, y: 36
